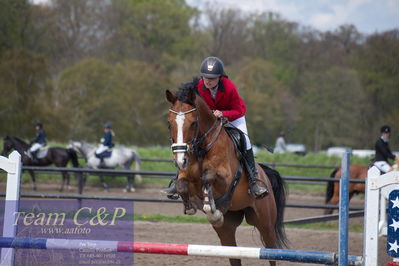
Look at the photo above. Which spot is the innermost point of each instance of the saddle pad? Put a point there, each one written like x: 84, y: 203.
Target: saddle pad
x: 105, y: 154
x: 42, y: 152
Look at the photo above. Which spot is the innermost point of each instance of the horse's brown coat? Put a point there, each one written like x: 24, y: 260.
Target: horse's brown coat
x: 216, y: 170
x: 355, y: 172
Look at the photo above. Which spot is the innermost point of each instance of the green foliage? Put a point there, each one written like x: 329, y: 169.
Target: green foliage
x: 24, y: 89
x: 77, y: 64
x: 325, y: 104
x: 264, y: 95
x: 14, y: 16
x: 94, y: 92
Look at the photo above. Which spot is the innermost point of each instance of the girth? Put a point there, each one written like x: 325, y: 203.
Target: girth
x: 223, y: 203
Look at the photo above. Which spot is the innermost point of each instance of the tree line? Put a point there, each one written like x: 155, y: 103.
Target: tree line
x: 77, y: 64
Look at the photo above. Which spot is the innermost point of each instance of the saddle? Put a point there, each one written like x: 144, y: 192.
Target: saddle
x: 104, y: 154
x: 238, y: 138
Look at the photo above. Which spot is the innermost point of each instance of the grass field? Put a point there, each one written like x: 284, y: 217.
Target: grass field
x: 262, y: 156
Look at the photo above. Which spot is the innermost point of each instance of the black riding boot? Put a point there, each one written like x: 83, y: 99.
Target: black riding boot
x: 35, y: 160
x: 254, y: 189
x: 171, y: 191
x: 102, y: 163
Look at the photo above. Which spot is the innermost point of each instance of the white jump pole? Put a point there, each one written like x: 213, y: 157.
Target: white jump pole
x: 12, y: 165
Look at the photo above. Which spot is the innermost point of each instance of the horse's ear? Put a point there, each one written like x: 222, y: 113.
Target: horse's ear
x: 170, y: 97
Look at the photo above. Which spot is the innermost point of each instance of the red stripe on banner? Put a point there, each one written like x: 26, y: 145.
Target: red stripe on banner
x: 158, y: 248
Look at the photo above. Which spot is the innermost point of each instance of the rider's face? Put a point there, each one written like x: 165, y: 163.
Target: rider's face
x: 210, y: 82
x: 386, y: 135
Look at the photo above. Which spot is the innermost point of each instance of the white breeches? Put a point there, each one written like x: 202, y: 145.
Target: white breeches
x: 383, y: 166
x: 101, y: 149
x: 35, y: 147
x: 242, y: 125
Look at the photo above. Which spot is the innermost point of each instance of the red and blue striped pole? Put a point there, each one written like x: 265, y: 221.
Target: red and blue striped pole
x: 317, y: 257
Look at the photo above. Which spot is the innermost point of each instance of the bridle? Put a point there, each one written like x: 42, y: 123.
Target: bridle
x: 197, y: 141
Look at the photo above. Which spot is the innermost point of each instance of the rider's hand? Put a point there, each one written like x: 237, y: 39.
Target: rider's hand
x: 217, y: 113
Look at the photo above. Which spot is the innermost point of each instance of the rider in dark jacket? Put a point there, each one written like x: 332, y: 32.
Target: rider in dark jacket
x: 38, y: 142
x: 382, y: 150
x: 106, y: 143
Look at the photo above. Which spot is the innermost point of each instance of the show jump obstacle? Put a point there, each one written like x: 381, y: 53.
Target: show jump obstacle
x: 9, y: 242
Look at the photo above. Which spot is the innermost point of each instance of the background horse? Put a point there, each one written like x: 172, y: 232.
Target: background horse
x: 121, y: 157
x: 332, y: 191
x: 207, y: 162
x: 55, y: 155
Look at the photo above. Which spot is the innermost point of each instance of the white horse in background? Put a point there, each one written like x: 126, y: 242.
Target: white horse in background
x: 120, y: 157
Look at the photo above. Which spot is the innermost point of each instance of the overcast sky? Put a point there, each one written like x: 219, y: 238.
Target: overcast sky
x: 368, y: 16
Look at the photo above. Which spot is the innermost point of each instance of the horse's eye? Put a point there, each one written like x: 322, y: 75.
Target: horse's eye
x: 194, y: 124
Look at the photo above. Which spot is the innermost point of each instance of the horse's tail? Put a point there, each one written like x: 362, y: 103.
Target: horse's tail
x: 330, y: 186
x: 74, y: 157
x: 279, y: 192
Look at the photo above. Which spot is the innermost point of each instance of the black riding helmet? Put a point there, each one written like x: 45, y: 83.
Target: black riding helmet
x: 385, y: 129
x: 212, y: 67
x: 39, y: 124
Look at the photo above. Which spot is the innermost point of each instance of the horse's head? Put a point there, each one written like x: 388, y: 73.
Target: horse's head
x: 183, y: 124
x: 75, y: 145
x: 6, y: 146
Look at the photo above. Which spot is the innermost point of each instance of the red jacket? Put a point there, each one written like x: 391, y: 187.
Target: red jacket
x: 228, y: 101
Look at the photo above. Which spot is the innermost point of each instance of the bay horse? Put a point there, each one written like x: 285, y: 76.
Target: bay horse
x: 208, y: 164
x: 332, y: 192
x: 55, y: 155
x: 120, y: 157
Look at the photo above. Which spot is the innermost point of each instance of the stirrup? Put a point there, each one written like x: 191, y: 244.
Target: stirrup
x: 262, y: 191
x: 171, y: 192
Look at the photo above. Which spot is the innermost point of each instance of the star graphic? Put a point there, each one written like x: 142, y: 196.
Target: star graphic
x: 395, y: 202
x: 393, y: 246
x: 395, y: 225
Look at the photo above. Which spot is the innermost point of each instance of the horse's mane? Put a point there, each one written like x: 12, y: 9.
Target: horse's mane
x: 19, y: 140
x: 185, y: 90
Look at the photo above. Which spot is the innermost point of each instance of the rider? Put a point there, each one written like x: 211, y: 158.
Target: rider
x: 222, y: 97
x: 382, y: 150
x: 38, y: 142
x: 280, y: 146
x: 106, y: 143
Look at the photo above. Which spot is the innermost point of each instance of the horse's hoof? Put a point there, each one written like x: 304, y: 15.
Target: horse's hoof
x: 218, y: 223
x: 207, y: 208
x: 191, y: 211
x: 216, y: 219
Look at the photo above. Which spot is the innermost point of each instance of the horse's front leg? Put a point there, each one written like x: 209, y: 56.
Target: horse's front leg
x: 32, y: 175
x: 215, y: 216
x: 105, y: 185
x: 182, y: 187
x: 129, y: 186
